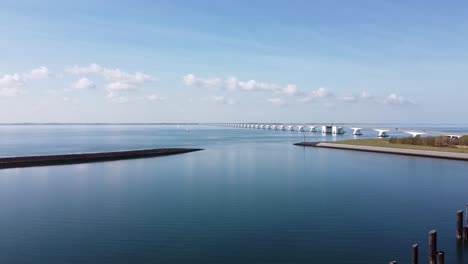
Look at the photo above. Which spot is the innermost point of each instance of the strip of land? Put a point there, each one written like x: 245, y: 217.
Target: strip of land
x: 47, y: 160
x: 389, y: 150
x: 385, y: 142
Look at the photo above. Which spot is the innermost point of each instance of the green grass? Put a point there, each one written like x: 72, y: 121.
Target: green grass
x: 377, y: 142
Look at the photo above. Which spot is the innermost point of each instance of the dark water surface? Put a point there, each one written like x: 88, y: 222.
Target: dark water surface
x: 249, y: 197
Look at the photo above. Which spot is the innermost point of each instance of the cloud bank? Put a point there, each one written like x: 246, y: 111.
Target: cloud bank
x: 283, y: 93
x: 316, y: 94
x: 233, y: 84
x: 11, y: 85
x: 223, y: 100
x: 83, y: 84
x: 117, y: 80
x: 394, y: 99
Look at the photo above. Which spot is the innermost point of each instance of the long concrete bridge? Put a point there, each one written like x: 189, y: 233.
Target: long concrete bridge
x: 336, y: 129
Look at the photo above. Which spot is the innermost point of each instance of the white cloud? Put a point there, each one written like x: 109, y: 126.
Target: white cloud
x: 119, y: 86
x: 41, y: 72
x: 277, y: 102
x: 290, y: 89
x: 10, y: 80
x: 366, y: 96
x: 83, y: 84
x: 232, y: 84
x: 394, y: 99
x: 117, y: 75
x: 92, y: 68
x: 155, y: 97
x: 253, y: 85
x: 117, y: 80
x: 189, y: 79
x: 11, y: 85
x: 319, y: 93
x: 118, y: 83
x: 117, y: 97
x: 348, y: 99
x: 218, y: 99
x: 192, y: 80
x: 223, y: 100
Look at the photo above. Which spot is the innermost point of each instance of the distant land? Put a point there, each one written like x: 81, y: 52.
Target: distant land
x: 93, y: 124
x: 207, y: 123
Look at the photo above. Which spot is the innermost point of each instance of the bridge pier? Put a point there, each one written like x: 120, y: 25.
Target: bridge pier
x: 356, y: 131
x: 382, y: 133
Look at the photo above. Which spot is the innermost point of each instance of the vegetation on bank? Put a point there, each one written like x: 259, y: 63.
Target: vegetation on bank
x: 419, y: 143
x: 431, y: 141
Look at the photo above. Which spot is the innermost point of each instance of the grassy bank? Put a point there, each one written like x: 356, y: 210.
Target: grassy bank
x: 377, y: 142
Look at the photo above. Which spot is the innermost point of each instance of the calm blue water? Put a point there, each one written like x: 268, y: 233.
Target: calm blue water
x: 249, y: 197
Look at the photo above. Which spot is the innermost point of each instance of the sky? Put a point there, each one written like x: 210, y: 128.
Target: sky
x: 376, y: 61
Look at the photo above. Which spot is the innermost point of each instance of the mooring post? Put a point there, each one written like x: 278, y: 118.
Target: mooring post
x: 432, y: 246
x: 415, y: 254
x: 460, y: 251
x: 459, y: 225
x: 465, y: 232
x: 440, y: 257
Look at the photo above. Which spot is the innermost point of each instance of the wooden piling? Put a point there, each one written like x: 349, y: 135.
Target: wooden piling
x: 440, y: 257
x: 415, y: 254
x: 459, y: 225
x: 432, y: 246
x: 465, y: 233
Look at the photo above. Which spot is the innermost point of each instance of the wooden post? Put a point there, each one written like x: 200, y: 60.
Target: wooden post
x: 415, y: 254
x: 460, y: 251
x: 432, y: 246
x: 459, y: 225
x: 465, y: 231
x: 440, y: 257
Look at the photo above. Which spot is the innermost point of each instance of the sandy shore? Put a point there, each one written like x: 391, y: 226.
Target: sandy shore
x: 46, y: 160
x: 399, y: 151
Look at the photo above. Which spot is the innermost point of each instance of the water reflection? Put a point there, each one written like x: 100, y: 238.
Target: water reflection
x: 250, y: 197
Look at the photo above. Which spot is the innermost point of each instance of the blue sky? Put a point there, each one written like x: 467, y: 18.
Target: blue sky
x: 210, y: 61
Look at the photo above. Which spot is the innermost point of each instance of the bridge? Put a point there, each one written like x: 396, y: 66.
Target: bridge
x: 381, y: 132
